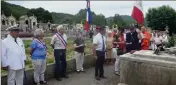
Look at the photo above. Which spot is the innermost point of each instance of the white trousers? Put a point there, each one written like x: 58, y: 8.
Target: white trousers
x: 15, y: 76
x: 79, y: 61
x: 39, y: 69
x: 117, y: 62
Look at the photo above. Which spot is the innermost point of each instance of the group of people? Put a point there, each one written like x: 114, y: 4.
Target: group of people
x: 13, y: 55
x: 108, y: 45
x: 111, y: 46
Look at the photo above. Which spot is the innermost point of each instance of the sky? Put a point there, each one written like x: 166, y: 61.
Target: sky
x: 107, y: 8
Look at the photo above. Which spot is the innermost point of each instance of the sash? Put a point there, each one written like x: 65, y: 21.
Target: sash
x: 62, y: 39
x: 41, y: 43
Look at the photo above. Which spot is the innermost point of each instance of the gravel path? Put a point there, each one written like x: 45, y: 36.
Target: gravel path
x: 88, y: 78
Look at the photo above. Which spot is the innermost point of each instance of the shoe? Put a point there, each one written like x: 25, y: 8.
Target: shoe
x: 83, y: 71
x: 65, y: 77
x: 103, y: 77
x: 37, y: 84
x: 97, y: 78
x: 58, y: 79
x: 78, y: 71
x: 117, y: 73
x: 43, y: 82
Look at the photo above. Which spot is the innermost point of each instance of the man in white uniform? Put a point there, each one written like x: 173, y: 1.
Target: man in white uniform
x: 15, y: 54
x: 99, y: 49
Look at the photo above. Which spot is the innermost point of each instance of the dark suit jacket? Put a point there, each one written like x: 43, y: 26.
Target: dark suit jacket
x: 132, y: 38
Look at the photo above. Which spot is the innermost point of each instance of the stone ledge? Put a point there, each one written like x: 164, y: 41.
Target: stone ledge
x: 156, y: 61
x: 146, y: 71
x: 149, y: 54
x: 122, y: 84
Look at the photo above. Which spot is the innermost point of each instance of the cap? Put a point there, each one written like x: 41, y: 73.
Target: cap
x: 14, y: 28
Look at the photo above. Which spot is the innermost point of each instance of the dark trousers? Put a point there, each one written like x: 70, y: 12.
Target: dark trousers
x: 99, y: 71
x: 128, y: 48
x: 134, y: 46
x: 160, y: 46
x: 60, y: 63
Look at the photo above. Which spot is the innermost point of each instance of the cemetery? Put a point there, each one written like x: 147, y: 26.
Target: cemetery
x: 137, y: 67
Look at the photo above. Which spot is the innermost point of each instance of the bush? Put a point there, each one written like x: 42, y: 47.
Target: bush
x: 50, y: 60
x: 172, y: 42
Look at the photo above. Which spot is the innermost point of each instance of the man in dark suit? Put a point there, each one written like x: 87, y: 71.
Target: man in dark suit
x: 132, y: 40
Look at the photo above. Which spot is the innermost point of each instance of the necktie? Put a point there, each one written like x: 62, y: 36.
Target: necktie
x: 15, y: 40
x: 103, y: 44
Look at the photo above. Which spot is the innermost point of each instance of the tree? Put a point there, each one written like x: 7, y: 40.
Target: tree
x: 99, y: 20
x: 41, y: 14
x: 5, y: 9
x: 159, y: 18
x: 81, y: 16
x: 118, y: 20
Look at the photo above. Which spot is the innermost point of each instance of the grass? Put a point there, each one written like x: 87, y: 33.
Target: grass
x: 50, y: 55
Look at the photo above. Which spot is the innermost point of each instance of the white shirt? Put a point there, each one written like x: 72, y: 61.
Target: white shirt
x: 165, y: 38
x: 158, y: 40
x: 57, y: 42
x: 15, y: 53
x: 124, y: 34
x: 98, y: 40
x: 3, y: 55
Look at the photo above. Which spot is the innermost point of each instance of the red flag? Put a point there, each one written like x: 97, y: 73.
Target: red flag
x: 137, y: 13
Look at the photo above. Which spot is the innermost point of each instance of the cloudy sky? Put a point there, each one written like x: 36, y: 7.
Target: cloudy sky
x: 107, y: 8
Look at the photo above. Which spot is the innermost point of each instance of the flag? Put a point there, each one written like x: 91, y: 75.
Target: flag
x: 88, y: 17
x: 137, y: 13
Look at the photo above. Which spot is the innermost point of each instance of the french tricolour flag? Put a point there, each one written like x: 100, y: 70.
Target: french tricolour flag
x: 137, y: 13
x: 88, y: 16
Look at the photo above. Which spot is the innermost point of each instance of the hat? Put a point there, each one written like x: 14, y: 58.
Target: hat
x: 14, y: 28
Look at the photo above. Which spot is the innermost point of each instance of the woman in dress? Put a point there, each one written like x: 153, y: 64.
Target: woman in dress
x: 109, y: 48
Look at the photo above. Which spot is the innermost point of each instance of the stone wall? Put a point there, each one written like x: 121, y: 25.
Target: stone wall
x: 89, y: 61
x: 147, y: 69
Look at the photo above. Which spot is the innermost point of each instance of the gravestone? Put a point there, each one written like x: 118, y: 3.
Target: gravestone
x: 145, y: 68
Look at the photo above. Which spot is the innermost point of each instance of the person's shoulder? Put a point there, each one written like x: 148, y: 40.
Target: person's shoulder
x: 98, y: 35
x: 20, y: 39
x: 34, y: 41
x: 6, y: 40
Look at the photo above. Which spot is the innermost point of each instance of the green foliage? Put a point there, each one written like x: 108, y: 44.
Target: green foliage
x: 58, y: 18
x: 172, y: 42
x: 118, y: 20
x: 41, y: 14
x: 99, y: 20
x: 50, y: 60
x: 159, y: 18
x: 13, y: 9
